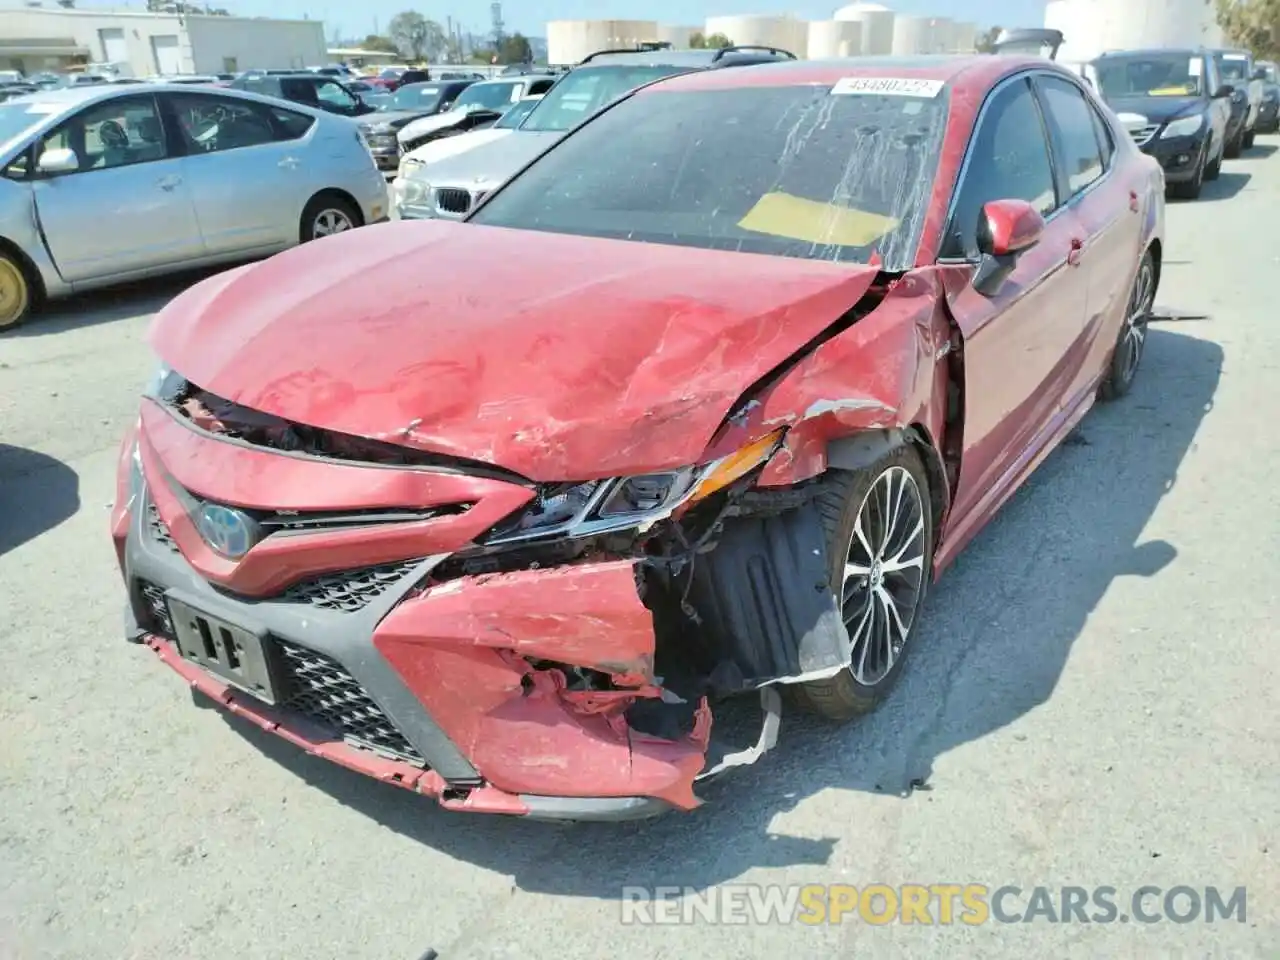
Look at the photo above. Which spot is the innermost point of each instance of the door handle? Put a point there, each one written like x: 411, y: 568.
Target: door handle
x: 168, y: 183
x: 1133, y: 201
x: 1077, y: 251
x: 288, y: 163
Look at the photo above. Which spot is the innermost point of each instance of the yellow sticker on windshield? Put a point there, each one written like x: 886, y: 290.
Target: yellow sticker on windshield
x: 1172, y: 91
x: 809, y: 221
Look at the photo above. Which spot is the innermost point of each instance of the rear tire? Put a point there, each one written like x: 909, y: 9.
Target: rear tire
x: 1234, y: 145
x: 328, y: 214
x: 1249, y: 137
x: 880, y: 569
x: 1132, y: 340
x: 1214, y: 170
x: 17, y: 293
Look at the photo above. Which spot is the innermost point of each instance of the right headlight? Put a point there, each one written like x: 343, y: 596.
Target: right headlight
x: 630, y: 503
x: 1183, y: 127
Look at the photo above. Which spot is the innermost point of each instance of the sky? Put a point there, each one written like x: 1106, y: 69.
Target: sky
x: 358, y: 17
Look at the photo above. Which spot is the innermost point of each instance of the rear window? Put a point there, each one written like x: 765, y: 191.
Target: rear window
x: 792, y: 171
x: 587, y: 89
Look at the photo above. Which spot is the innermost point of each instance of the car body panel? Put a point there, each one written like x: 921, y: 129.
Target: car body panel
x: 476, y: 172
x: 550, y: 359
x: 103, y: 226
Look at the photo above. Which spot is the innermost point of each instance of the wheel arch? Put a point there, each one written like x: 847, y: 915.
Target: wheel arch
x: 860, y: 450
x: 334, y: 192
x: 1157, y: 253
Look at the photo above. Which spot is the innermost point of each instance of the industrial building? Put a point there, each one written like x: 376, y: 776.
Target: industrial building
x: 859, y: 29
x: 1092, y: 27
x: 143, y: 44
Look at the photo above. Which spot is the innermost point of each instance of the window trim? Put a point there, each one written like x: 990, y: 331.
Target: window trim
x: 1024, y: 77
x: 1057, y: 145
x: 166, y: 136
x: 263, y: 111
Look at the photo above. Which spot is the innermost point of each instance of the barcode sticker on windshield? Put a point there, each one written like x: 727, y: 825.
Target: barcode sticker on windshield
x: 886, y: 87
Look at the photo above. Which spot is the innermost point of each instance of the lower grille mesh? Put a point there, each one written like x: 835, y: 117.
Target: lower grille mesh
x: 350, y: 590
x: 320, y: 689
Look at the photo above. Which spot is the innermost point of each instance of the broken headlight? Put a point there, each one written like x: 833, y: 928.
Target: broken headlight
x: 626, y: 503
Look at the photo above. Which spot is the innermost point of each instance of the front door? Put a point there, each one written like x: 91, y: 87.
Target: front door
x: 128, y: 208
x: 1016, y: 341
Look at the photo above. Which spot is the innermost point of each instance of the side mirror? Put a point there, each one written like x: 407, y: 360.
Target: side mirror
x: 59, y: 160
x: 1224, y: 91
x: 1006, y: 230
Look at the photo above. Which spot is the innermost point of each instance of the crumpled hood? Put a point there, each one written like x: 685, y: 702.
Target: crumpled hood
x: 438, y: 150
x: 490, y: 164
x: 436, y: 121
x: 557, y: 357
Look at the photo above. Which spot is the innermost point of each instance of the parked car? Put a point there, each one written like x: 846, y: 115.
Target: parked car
x: 409, y: 103
x: 411, y: 196
x: 702, y: 410
x: 480, y: 105
x: 203, y: 79
x: 393, y: 78
x: 433, y: 186
x: 1269, y: 113
x: 1238, y: 72
x: 1175, y: 106
x: 105, y: 184
x: 311, y: 89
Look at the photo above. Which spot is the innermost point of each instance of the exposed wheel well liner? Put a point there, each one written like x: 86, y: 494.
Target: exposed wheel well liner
x: 860, y: 450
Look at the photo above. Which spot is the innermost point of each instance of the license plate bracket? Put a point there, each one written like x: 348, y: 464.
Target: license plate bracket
x: 238, y: 654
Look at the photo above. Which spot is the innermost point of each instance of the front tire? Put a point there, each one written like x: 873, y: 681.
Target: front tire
x: 1190, y: 190
x: 879, y: 525
x: 1234, y: 145
x: 1132, y: 341
x: 1248, y: 139
x: 1214, y: 170
x: 16, y: 294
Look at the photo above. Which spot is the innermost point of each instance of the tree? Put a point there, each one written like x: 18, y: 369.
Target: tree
x: 717, y: 41
x: 515, y: 49
x: 1252, y: 24
x: 415, y: 36
x: 697, y: 41
x: 376, y: 42
x: 987, y: 40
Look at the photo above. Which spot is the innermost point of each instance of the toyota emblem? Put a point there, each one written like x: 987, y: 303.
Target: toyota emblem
x: 229, y: 532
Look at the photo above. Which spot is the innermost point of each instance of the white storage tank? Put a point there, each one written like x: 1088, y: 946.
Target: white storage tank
x: 1091, y: 27
x: 876, y: 24
x: 678, y: 37
x: 917, y: 35
x: 834, y: 38
x: 568, y: 41
x: 764, y: 31
x: 964, y: 37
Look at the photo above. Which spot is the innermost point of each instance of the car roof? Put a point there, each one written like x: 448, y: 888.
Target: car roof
x: 964, y: 70
x: 1156, y: 51
x: 671, y: 58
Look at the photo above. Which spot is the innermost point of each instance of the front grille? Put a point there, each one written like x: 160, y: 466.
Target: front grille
x: 1142, y: 135
x: 155, y: 610
x: 453, y: 200
x: 158, y: 529
x: 350, y: 590
x: 321, y: 689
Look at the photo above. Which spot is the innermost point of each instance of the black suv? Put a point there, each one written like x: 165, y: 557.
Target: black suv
x: 310, y: 89
x: 1175, y: 107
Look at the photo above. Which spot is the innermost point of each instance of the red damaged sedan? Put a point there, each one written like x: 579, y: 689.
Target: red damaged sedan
x: 695, y: 406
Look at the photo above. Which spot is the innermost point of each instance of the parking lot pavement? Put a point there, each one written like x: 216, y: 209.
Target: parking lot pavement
x: 1092, y: 702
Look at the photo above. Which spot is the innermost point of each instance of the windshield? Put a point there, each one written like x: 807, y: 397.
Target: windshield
x: 488, y: 96
x: 18, y: 116
x: 1272, y: 73
x: 1233, y: 69
x: 791, y: 171
x: 513, y: 117
x: 1172, y: 75
x: 584, y: 91
x: 417, y: 96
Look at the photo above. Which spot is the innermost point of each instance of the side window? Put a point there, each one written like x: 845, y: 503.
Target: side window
x: 299, y: 91
x: 291, y: 125
x: 214, y: 124
x: 332, y: 94
x: 1008, y: 160
x: 1105, y: 139
x: 117, y: 133
x: 540, y: 86
x: 1072, y: 117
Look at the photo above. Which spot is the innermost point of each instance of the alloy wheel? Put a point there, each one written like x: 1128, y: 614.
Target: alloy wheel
x: 331, y: 221
x: 884, y: 574
x: 14, y: 294
x: 1135, y: 324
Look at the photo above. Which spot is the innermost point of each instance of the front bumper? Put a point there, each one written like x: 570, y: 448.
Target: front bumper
x: 444, y: 689
x: 1177, y: 156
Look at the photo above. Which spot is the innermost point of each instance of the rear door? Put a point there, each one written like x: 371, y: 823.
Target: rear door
x: 129, y: 207
x: 1109, y: 213
x: 1017, y: 341
x: 244, y: 164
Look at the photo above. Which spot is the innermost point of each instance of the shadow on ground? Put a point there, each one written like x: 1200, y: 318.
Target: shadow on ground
x: 37, y: 493
x: 1260, y: 151
x: 1228, y: 184
x: 1047, y: 559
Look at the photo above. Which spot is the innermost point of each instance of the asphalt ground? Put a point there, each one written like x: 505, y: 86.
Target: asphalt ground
x: 1091, y: 702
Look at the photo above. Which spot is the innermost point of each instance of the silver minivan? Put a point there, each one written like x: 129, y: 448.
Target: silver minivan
x: 106, y: 184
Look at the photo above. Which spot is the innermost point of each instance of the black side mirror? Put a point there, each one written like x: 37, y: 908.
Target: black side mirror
x: 1224, y: 91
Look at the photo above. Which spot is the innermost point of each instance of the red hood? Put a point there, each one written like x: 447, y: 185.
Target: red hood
x: 558, y: 357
